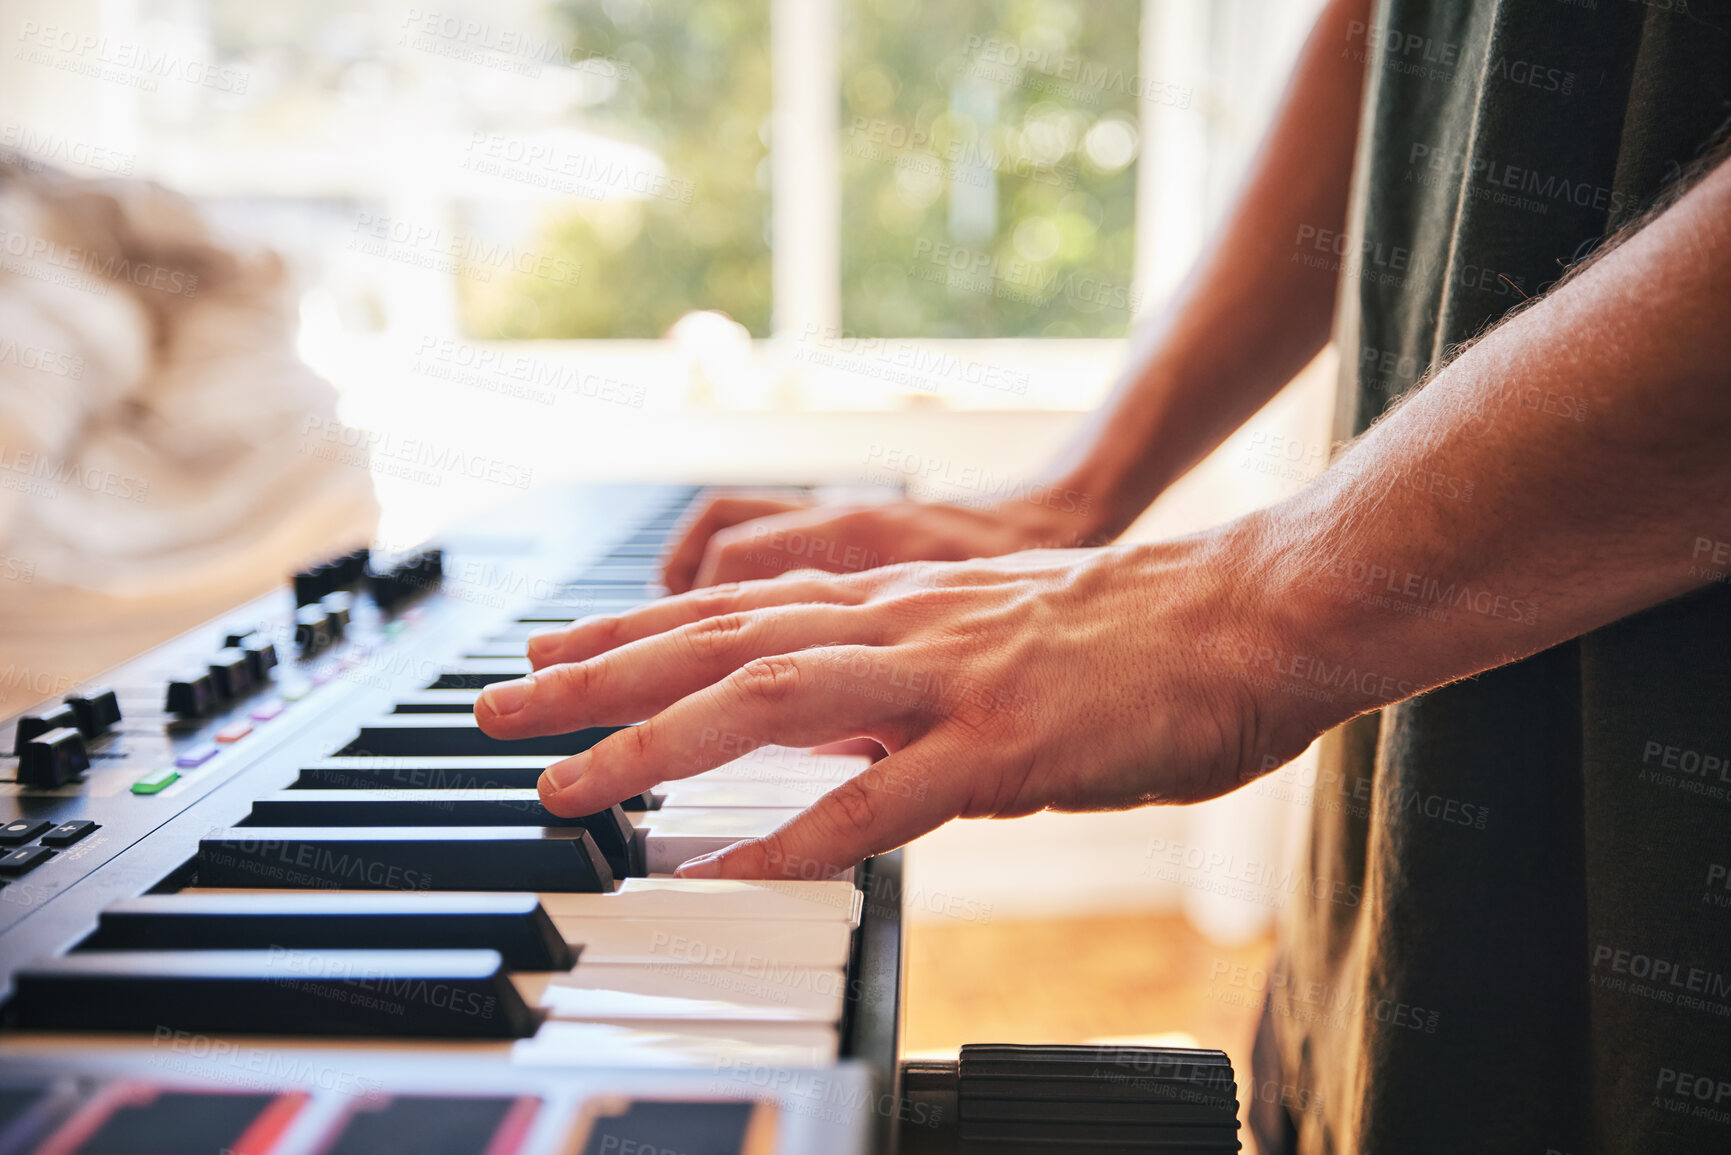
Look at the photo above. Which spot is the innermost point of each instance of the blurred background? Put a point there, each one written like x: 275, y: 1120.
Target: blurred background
x: 837, y: 241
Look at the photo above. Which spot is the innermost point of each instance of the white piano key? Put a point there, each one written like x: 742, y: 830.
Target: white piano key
x: 676, y: 900
x: 786, y: 764
x: 711, y: 1046
x: 709, y: 942
x: 679, y: 899
x: 701, y: 793
x: 616, y: 992
x: 673, y: 837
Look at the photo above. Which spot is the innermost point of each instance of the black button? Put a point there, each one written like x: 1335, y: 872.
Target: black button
x: 69, y: 832
x: 53, y: 759
x: 31, y: 725
x: 24, y: 859
x: 228, y: 670
x: 191, y: 695
x: 22, y: 831
x: 96, y: 711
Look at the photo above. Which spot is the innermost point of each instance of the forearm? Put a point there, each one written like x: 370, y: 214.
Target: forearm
x: 1559, y: 475
x: 1248, y: 318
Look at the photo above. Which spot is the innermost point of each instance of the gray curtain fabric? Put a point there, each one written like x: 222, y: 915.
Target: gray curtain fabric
x: 1542, y: 960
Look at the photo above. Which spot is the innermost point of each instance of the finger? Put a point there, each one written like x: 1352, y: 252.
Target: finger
x: 680, y: 565
x: 857, y: 747
x: 627, y: 684
x: 906, y: 795
x: 799, y: 700
x: 834, y: 539
x: 590, y: 636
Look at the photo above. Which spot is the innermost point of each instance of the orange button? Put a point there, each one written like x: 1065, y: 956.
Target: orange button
x: 234, y: 733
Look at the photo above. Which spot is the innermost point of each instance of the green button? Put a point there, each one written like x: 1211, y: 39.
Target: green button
x: 156, y: 780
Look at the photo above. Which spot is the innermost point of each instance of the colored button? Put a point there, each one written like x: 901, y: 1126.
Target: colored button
x: 294, y: 691
x: 69, y: 832
x: 234, y: 732
x: 23, y: 859
x: 22, y: 831
x: 156, y: 780
x: 195, y: 757
x: 267, y: 711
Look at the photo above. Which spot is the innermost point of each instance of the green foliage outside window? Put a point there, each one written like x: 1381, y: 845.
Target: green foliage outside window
x: 987, y: 155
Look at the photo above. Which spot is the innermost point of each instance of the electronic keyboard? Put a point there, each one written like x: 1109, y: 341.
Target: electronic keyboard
x: 268, y: 890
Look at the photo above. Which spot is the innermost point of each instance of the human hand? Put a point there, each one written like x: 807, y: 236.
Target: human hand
x: 1066, y: 680
x: 745, y: 536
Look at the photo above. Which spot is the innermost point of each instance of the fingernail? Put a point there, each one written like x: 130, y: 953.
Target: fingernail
x: 504, y: 698
x: 564, y: 774
x: 546, y: 642
x: 707, y: 866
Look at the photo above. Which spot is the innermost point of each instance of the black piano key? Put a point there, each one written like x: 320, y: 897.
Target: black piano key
x: 638, y: 803
x: 457, y: 734
x: 515, y: 925
x: 405, y: 858
x: 477, y: 679
x: 284, y: 991
x: 611, y: 829
x: 438, y: 702
x: 480, y: 772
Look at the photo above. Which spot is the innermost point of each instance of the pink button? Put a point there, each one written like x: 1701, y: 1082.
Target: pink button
x: 234, y: 733
x: 267, y: 711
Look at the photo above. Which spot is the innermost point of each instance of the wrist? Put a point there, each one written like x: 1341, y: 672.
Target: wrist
x: 1305, y: 662
x: 1057, y: 515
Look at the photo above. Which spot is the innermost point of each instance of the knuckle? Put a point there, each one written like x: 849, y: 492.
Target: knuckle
x: 716, y: 601
x: 638, y: 739
x: 770, y: 680
x: 772, y: 851
x: 853, y: 805
x: 574, y: 680
x: 607, y: 632
x: 715, y: 638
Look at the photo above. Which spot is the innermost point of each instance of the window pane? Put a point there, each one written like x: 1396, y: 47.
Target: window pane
x: 653, y: 246
x: 988, y: 155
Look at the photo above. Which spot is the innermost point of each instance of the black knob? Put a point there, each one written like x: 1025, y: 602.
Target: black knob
x: 192, y: 695
x: 260, y: 657
x: 336, y: 608
x: 96, y: 711
x: 229, y: 673
x: 312, y: 631
x: 53, y: 759
x: 353, y: 565
x: 311, y: 585
x: 387, y: 590
x: 1054, y: 1100
x: 31, y: 725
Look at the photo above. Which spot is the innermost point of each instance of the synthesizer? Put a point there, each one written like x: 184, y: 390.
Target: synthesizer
x: 268, y: 890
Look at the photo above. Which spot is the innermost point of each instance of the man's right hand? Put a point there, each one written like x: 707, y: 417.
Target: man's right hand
x: 744, y: 537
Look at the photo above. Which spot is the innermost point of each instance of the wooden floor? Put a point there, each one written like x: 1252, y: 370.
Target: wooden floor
x: 1143, y: 978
